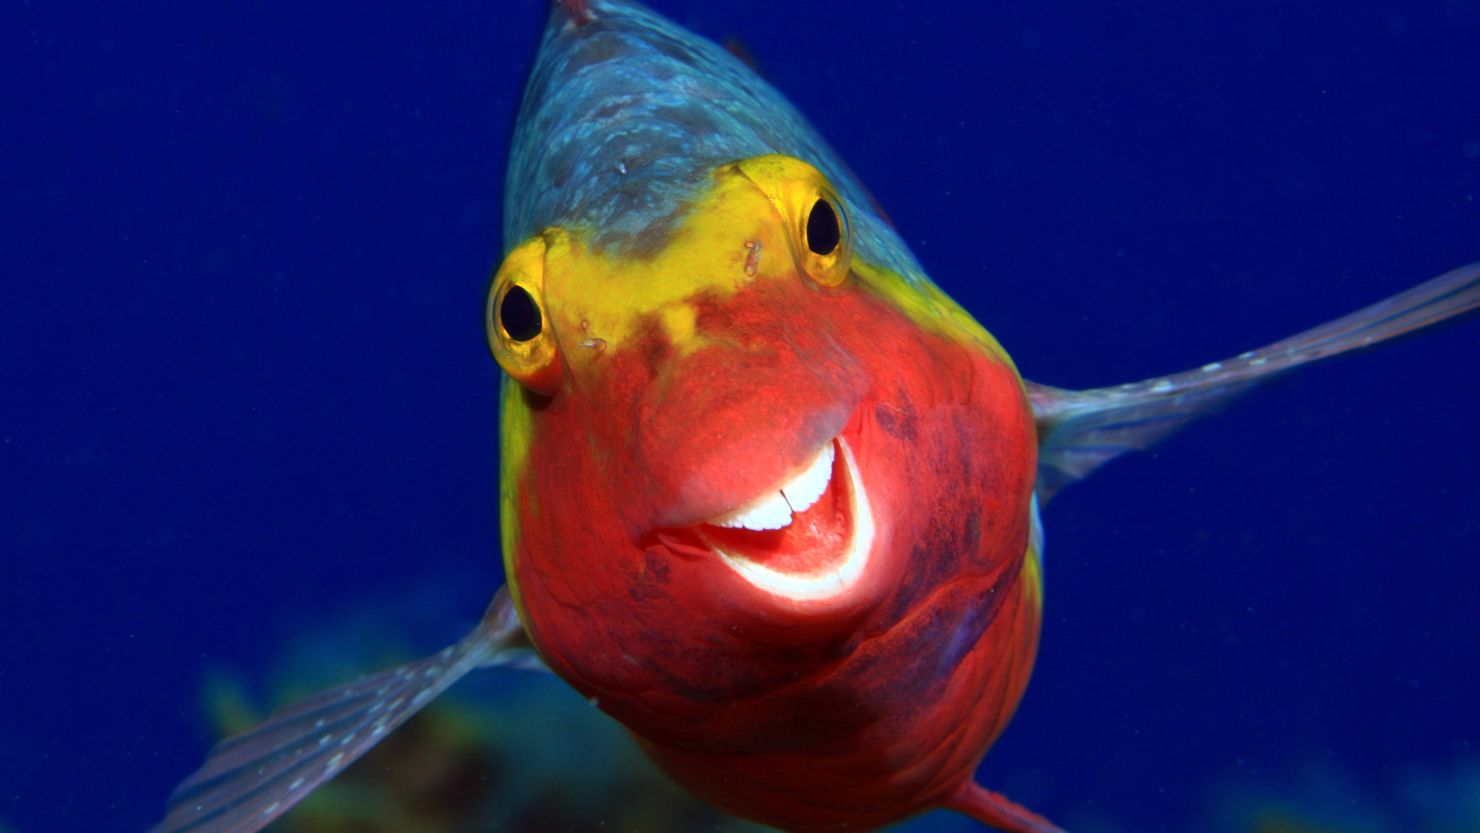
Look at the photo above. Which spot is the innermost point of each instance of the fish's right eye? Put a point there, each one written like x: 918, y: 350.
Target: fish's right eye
x: 519, y: 315
x: 519, y: 330
x: 823, y: 232
x: 814, y: 215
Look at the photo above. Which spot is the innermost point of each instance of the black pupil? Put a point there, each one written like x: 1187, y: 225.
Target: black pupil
x: 519, y: 315
x: 823, y: 234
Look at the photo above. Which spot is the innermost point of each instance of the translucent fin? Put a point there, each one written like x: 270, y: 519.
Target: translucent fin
x: 1079, y: 431
x: 996, y: 810
x: 254, y: 777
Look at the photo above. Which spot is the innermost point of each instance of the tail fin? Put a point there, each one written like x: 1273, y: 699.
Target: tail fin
x: 254, y: 777
x: 1079, y: 431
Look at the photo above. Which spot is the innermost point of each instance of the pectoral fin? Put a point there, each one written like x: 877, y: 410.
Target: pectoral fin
x: 1079, y: 431
x: 998, y: 811
x: 254, y: 777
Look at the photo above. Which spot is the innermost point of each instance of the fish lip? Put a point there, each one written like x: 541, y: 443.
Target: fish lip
x: 843, y: 573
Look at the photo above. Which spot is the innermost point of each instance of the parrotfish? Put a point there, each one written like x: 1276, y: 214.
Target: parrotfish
x: 769, y: 497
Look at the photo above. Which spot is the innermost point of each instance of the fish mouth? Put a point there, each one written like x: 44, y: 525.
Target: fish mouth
x: 806, y: 538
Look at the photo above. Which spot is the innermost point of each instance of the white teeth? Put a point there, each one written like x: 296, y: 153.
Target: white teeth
x: 770, y: 511
x: 827, y: 583
x: 773, y: 509
x: 803, y: 490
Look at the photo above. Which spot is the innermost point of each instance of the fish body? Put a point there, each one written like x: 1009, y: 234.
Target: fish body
x: 729, y: 372
x: 769, y: 497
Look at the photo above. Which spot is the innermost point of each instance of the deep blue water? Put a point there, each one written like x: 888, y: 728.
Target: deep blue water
x: 246, y: 391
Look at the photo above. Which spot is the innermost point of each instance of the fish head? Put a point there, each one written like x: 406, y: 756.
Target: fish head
x: 738, y: 424
x: 740, y: 428
x: 706, y: 370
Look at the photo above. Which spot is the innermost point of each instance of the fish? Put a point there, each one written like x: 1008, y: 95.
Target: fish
x: 769, y: 497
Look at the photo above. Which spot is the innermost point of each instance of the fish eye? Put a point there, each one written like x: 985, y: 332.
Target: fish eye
x: 815, y: 218
x: 823, y: 231
x: 519, y: 315
x: 520, y: 334
x: 824, y: 251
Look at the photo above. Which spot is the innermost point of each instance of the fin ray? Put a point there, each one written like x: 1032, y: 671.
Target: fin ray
x: 1079, y: 431
x: 997, y: 810
x: 253, y: 777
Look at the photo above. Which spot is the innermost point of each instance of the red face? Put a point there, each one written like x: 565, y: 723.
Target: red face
x: 790, y: 554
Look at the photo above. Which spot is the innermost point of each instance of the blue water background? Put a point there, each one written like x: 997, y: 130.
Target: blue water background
x: 245, y: 389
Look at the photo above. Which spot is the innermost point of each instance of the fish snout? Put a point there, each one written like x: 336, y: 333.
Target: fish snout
x: 728, y: 423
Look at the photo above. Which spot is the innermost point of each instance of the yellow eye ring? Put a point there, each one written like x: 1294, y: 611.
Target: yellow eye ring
x: 514, y: 319
x: 822, y: 241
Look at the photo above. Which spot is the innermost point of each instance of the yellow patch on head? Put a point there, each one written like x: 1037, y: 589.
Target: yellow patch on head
x: 595, y: 295
x: 678, y: 324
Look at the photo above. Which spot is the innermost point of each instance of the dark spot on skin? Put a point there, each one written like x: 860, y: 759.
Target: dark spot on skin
x: 897, y: 421
x: 656, y: 350
x: 609, y: 111
x: 657, y: 568
x: 961, y: 632
x: 535, y: 401
x: 972, y: 536
x: 693, y: 120
x: 677, y: 50
x: 712, y: 311
x: 651, y: 241
x: 561, y: 163
x: 656, y: 573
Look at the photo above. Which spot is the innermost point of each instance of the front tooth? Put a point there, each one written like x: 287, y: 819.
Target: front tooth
x: 768, y: 512
x: 803, y: 490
